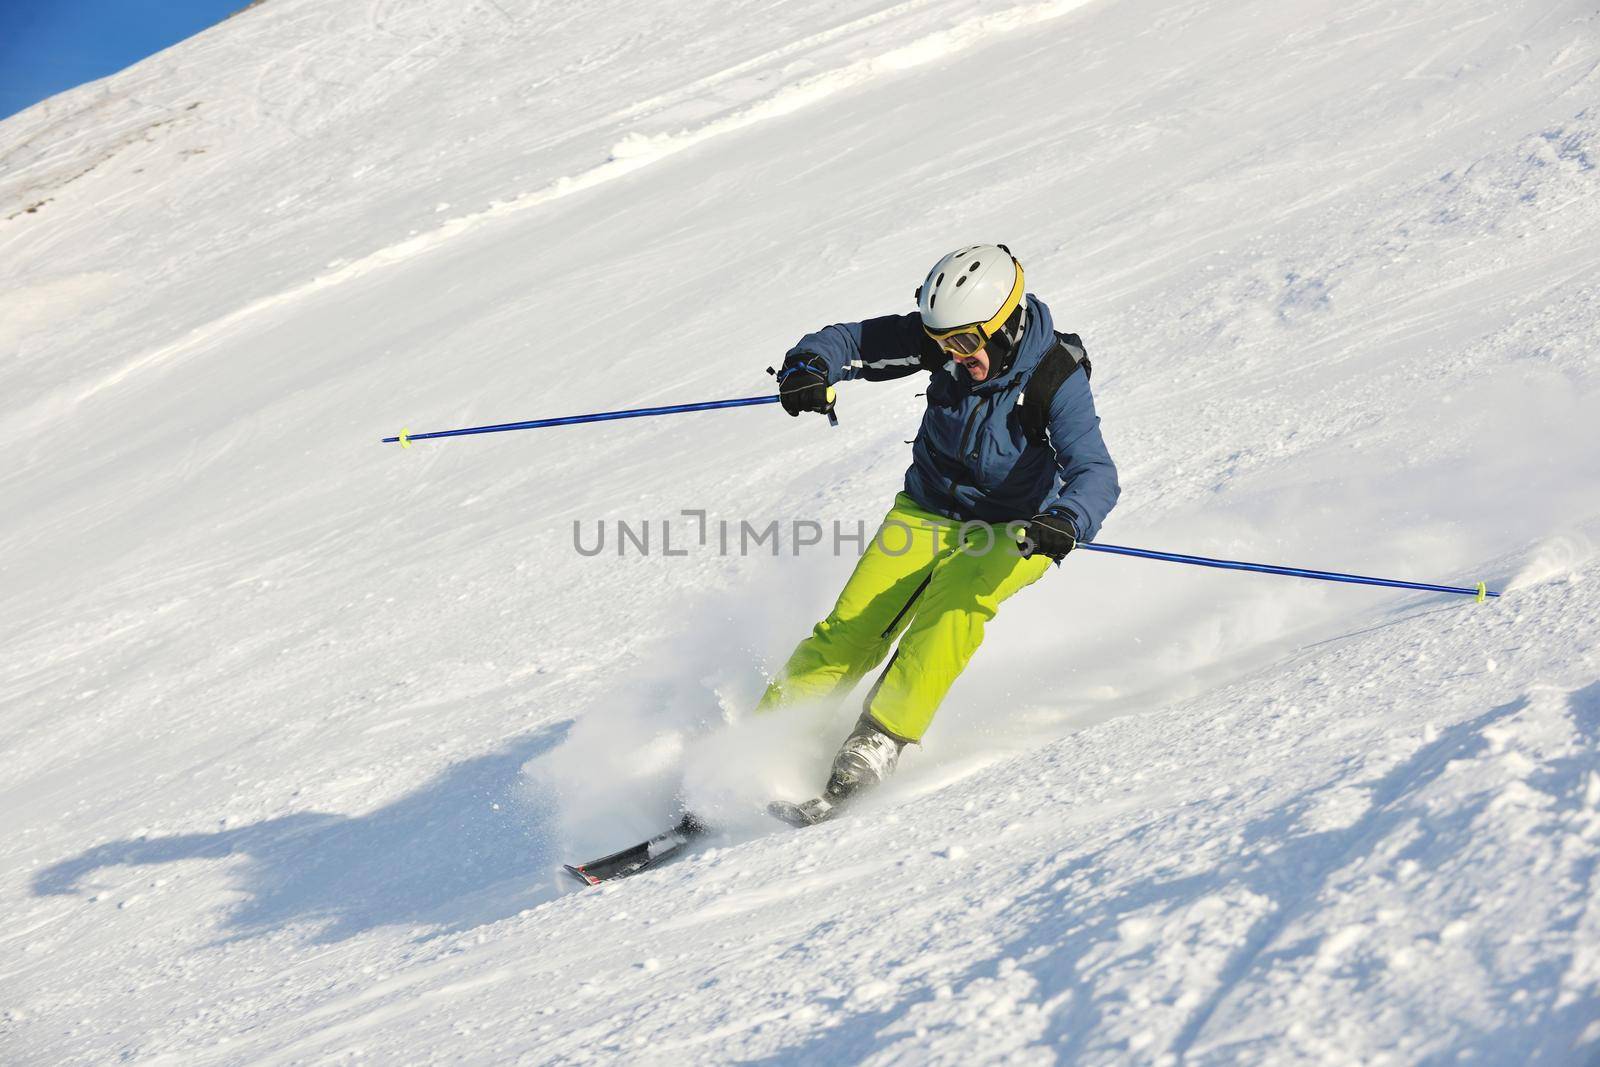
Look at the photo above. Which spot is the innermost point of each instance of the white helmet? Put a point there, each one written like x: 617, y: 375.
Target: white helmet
x: 972, y: 290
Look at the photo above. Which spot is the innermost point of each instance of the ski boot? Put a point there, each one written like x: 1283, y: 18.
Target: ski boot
x: 867, y: 757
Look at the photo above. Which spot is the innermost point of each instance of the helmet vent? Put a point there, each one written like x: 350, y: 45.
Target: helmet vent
x: 940, y: 281
x: 976, y: 264
x: 960, y: 280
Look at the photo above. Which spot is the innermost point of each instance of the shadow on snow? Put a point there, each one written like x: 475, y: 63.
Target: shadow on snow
x: 459, y: 852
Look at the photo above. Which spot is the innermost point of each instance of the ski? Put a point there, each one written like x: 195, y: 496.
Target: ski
x: 638, y: 857
x: 813, y: 811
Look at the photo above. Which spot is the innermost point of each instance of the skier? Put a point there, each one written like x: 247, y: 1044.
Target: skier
x: 1008, y: 472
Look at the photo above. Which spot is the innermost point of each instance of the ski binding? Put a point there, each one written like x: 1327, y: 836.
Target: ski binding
x: 809, y: 813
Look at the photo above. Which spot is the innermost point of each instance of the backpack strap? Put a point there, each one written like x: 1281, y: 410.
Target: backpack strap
x: 1063, y: 360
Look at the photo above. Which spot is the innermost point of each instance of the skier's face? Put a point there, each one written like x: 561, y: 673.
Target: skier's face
x: 976, y: 364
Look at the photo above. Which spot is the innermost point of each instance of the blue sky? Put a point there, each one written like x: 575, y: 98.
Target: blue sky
x: 50, y: 45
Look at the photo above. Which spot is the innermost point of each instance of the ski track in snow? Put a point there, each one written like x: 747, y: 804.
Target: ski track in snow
x: 300, y: 727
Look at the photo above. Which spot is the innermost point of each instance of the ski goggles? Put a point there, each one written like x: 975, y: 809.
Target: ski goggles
x: 962, y: 341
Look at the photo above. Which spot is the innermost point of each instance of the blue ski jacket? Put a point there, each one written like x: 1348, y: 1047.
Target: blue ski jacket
x: 971, y: 458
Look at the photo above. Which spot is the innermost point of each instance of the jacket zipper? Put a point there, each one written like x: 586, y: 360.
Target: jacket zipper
x: 961, y: 449
x: 966, y: 431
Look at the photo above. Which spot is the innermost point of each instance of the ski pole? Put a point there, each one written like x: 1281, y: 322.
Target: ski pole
x: 405, y: 437
x: 1480, y: 591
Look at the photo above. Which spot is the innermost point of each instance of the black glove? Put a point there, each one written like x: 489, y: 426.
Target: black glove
x: 1052, y: 534
x: 803, y: 384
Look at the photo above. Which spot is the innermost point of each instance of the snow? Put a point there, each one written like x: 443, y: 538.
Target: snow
x: 298, y: 727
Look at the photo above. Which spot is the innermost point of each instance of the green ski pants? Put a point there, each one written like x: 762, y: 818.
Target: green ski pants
x: 926, y: 579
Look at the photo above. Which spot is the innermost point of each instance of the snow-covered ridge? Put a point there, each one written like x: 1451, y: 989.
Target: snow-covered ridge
x: 740, y: 96
x: 299, y: 727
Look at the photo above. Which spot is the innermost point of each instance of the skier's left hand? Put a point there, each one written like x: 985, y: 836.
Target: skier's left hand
x: 1051, y: 533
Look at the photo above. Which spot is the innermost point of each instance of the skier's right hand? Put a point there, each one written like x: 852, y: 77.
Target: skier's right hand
x: 803, y: 384
x: 1051, y: 533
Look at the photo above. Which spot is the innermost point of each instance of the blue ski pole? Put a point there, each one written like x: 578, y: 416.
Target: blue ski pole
x: 405, y: 437
x: 1480, y: 591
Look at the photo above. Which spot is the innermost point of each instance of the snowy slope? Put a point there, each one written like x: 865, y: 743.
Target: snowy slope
x: 298, y: 727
